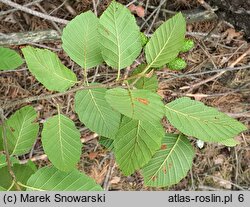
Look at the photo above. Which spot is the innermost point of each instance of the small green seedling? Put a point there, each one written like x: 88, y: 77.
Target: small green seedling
x: 127, y: 114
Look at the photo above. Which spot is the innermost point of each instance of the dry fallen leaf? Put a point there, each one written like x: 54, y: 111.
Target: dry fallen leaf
x: 132, y: 8
x: 93, y: 155
x: 219, y: 160
x: 221, y: 182
x: 232, y: 34
x: 139, y: 10
x: 115, y: 180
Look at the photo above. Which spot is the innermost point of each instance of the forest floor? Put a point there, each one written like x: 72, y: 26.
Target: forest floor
x: 209, y: 77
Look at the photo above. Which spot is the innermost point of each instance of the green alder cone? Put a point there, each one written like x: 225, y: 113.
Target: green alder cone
x: 144, y: 39
x: 177, y: 64
x: 188, y: 45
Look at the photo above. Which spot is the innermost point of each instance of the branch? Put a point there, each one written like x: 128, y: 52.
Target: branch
x: 35, y: 13
x: 44, y: 156
x: 219, y: 74
x: 21, y: 38
x: 10, y: 104
x: 5, y: 146
x: 25, y: 5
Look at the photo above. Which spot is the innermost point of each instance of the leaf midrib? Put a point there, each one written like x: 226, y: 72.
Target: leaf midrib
x: 48, y: 70
x: 97, y: 107
x: 117, y: 39
x: 136, y: 142
x: 188, y: 116
x: 149, y: 66
x: 169, y: 154
x: 60, y: 137
x: 19, y: 134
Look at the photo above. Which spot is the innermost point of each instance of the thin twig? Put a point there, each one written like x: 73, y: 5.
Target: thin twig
x: 6, y: 150
x: 208, y: 188
x: 21, y: 38
x: 52, y: 22
x: 235, y: 185
x: 69, y: 8
x: 146, y: 7
x: 44, y: 156
x: 94, y: 6
x: 205, y: 5
x: 43, y: 97
x: 155, y: 17
x: 25, y: 5
x: 106, y: 182
x: 35, y: 13
x: 204, y: 72
x: 219, y: 74
x: 10, y: 104
x: 149, y: 17
x: 57, y: 7
x: 131, y: 3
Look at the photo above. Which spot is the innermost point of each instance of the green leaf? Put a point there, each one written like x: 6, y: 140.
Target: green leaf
x: 1, y: 139
x: 107, y: 143
x: 166, y: 42
x: 141, y: 105
x: 144, y: 39
x: 81, y: 40
x: 2, y: 189
x: 195, y: 119
x: 120, y: 36
x: 22, y: 173
x: 48, y: 69
x: 171, y: 163
x: 21, y: 130
x: 136, y: 142
x: 94, y: 111
x: 229, y: 142
x: 10, y: 59
x: 61, y: 136
x: 3, y: 161
x: 147, y: 83
x: 51, y: 179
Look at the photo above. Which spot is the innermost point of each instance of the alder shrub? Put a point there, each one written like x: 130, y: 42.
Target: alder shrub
x: 127, y: 116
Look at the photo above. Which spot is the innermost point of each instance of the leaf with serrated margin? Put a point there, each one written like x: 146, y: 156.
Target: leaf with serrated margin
x: 81, y: 40
x: 22, y: 174
x: 48, y: 69
x: 21, y: 131
x: 147, y: 83
x: 107, y: 143
x: 137, y: 104
x: 52, y: 179
x: 2, y: 189
x: 120, y: 36
x: 9, y: 59
x: 1, y: 139
x: 166, y: 42
x: 195, y: 119
x: 136, y: 142
x: 171, y: 163
x: 229, y: 142
x: 61, y: 136
x: 3, y: 162
x: 94, y: 111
